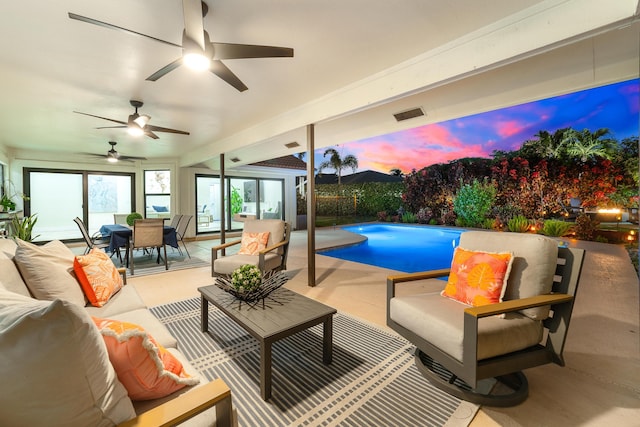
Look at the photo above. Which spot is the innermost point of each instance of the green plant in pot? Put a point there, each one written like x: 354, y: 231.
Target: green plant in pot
x: 131, y: 218
x: 7, y: 204
x: 22, y: 228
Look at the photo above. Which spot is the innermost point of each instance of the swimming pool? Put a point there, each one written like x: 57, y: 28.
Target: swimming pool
x: 403, y: 248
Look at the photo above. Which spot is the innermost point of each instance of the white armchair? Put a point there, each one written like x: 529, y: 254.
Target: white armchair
x: 271, y: 259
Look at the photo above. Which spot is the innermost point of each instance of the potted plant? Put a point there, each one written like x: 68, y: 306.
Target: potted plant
x: 6, y: 204
x: 23, y: 227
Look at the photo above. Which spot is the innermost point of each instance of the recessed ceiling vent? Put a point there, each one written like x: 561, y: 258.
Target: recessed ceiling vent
x: 234, y: 159
x: 409, y: 114
x: 292, y: 145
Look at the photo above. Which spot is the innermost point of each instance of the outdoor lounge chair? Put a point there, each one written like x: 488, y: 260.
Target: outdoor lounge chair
x: 459, y: 346
x: 271, y: 259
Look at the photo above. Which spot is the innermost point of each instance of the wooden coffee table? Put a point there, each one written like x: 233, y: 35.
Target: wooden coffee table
x: 285, y: 313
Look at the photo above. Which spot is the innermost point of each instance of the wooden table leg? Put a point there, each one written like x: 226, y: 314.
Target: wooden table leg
x: 204, y: 314
x: 265, y: 370
x: 327, y: 342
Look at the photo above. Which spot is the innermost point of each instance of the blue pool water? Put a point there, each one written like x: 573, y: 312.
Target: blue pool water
x: 403, y: 248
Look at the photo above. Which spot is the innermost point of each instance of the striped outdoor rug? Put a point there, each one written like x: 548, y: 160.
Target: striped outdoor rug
x: 146, y: 264
x: 372, y: 381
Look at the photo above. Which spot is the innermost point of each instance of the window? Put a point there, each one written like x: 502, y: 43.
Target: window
x: 157, y: 193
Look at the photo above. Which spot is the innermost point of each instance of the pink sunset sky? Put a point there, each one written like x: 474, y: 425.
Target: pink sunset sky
x: 614, y: 107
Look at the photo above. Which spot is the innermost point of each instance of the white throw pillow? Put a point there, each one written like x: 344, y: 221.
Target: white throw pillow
x: 48, y: 271
x: 54, y: 367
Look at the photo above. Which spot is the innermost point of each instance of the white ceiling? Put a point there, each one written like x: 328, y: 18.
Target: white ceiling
x: 353, y: 59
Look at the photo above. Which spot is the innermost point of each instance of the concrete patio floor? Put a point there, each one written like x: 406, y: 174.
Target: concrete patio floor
x: 600, y: 384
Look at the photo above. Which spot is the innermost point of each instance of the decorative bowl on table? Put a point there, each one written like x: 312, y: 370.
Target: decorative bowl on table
x: 248, y: 284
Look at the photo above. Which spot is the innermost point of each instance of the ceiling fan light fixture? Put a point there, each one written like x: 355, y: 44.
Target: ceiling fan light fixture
x: 135, y: 130
x: 196, y: 61
x: 112, y: 159
x: 142, y: 120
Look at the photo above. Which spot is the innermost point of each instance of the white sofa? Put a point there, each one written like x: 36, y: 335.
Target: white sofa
x: 55, y: 367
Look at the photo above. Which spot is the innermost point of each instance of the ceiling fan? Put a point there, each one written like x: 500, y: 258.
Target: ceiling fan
x: 198, y: 51
x: 137, y: 124
x: 113, y: 156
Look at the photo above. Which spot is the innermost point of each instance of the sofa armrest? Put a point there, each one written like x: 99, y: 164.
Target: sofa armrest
x: 215, y: 249
x: 123, y: 273
x: 273, y: 247
x: 410, y: 277
x: 216, y: 393
x: 516, y: 305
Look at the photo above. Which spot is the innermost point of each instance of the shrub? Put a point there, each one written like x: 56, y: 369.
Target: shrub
x: 424, y: 215
x: 490, y: 224
x: 518, y: 224
x: 408, y: 217
x: 556, y: 228
x: 131, y: 218
x: 586, y: 227
x: 473, y: 202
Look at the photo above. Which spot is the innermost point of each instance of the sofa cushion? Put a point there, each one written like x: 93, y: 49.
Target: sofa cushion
x: 145, y: 368
x: 48, y: 271
x: 441, y: 322
x: 54, y: 367
x: 11, y: 278
x: 98, y: 276
x: 8, y: 246
x: 478, y: 277
x: 534, y: 264
x: 151, y: 324
x: 126, y: 300
x: 252, y: 243
x: 226, y: 265
x: 275, y: 227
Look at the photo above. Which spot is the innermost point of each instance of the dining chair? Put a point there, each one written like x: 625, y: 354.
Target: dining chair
x: 175, y: 221
x: 147, y: 233
x: 120, y: 219
x: 181, y: 230
x: 94, y: 241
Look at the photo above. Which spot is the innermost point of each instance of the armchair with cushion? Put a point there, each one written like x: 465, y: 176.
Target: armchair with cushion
x: 461, y: 347
x: 264, y: 243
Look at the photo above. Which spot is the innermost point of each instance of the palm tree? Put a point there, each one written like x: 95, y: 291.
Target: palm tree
x: 586, y: 144
x: 338, y: 163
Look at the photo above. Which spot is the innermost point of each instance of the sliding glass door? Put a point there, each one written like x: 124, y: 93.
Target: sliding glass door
x: 245, y: 198
x: 58, y: 196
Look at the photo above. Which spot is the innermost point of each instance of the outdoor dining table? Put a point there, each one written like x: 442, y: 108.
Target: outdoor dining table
x: 121, y: 234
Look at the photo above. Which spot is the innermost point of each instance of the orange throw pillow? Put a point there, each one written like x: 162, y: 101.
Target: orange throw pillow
x: 252, y: 243
x: 145, y: 368
x: 478, y: 278
x: 98, y: 276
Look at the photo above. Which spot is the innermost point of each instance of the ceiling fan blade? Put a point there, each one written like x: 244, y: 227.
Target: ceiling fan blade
x: 165, y: 70
x: 152, y: 128
x: 115, y: 27
x: 111, y: 127
x: 100, y: 117
x: 151, y: 134
x: 221, y: 70
x: 131, y: 158
x: 241, y: 51
x: 193, y: 25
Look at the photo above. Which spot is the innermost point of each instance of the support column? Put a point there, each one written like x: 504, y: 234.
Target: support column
x: 222, y: 204
x: 311, y: 206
